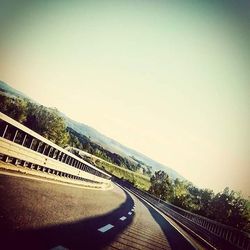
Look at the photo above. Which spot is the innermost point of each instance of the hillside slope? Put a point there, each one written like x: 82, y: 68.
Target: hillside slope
x: 102, y: 140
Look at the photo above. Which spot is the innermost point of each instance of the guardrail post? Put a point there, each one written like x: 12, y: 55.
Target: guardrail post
x: 5, y: 130
x: 16, y: 162
x: 24, y: 138
x: 31, y: 142
x: 58, y: 156
x: 227, y: 233
x: 44, y: 149
x: 216, y: 229
x: 55, y: 153
x: 70, y: 160
x: 38, y: 146
x: 202, y: 222
x: 15, y: 135
x: 50, y: 148
x: 6, y: 158
x: 66, y: 159
x: 61, y: 157
x: 220, y: 232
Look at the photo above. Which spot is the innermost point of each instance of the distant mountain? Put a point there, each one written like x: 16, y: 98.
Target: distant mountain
x: 118, y: 148
x: 4, y: 87
x: 104, y: 141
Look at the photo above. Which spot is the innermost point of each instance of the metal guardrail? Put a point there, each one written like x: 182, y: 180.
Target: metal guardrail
x: 21, y: 146
x: 217, y: 234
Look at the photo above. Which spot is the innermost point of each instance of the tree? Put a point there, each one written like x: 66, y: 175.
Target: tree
x: 14, y: 107
x: 230, y: 208
x: 149, y: 171
x: 160, y: 185
x: 48, y: 123
x: 181, y: 196
x: 206, y: 197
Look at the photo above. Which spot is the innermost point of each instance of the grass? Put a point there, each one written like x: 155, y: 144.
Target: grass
x: 138, y: 180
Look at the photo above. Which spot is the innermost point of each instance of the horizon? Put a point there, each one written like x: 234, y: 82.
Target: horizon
x: 179, y: 85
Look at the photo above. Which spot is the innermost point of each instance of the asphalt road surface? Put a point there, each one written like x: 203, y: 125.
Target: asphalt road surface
x: 35, y: 214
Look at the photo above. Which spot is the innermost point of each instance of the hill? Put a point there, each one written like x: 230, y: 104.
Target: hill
x: 108, y: 144
x: 118, y: 148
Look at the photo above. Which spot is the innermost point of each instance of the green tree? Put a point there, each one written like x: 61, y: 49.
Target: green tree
x: 181, y: 196
x: 14, y: 107
x: 230, y: 208
x: 48, y: 123
x: 206, y: 197
x: 161, y: 185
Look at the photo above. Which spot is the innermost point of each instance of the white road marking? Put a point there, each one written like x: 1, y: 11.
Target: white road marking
x: 105, y: 228
x: 129, y: 213
x: 123, y: 218
x: 132, y: 210
x: 181, y: 231
x: 59, y: 248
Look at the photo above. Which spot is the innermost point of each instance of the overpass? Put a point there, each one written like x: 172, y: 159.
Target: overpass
x: 51, y: 199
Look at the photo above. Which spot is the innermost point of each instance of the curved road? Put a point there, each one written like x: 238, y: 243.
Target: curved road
x: 37, y: 214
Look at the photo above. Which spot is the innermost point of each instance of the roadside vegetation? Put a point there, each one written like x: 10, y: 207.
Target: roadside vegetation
x: 50, y: 124
x: 138, y: 180
x: 84, y: 143
x: 227, y: 207
x: 45, y: 121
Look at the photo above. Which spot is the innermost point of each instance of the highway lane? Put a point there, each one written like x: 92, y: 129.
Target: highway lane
x: 35, y: 214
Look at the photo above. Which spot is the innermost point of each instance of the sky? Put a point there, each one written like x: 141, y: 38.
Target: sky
x: 167, y: 78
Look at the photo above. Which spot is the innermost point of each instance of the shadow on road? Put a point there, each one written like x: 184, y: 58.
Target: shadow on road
x: 81, y: 234
x: 175, y: 239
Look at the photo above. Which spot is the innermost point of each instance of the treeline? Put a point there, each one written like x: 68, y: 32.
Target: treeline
x: 50, y: 124
x: 84, y: 143
x: 227, y: 207
x: 138, y: 180
x: 45, y: 121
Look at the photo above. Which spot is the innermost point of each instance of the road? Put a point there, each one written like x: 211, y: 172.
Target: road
x: 36, y: 214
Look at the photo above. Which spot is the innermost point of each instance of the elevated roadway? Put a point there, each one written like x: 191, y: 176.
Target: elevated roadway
x: 55, y: 204
x: 37, y: 214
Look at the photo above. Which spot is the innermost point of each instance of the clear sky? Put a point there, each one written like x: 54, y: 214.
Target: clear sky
x: 168, y: 79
